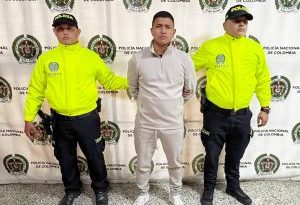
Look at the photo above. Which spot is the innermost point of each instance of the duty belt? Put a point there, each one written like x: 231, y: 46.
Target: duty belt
x: 224, y: 111
x: 58, y: 116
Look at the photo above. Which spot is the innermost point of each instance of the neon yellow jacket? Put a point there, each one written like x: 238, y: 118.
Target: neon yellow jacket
x: 66, y: 76
x: 236, y: 68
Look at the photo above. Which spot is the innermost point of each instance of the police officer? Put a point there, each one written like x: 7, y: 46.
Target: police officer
x: 236, y: 68
x: 66, y: 76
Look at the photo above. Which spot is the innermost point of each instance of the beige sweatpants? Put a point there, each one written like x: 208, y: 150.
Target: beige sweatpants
x: 145, y: 144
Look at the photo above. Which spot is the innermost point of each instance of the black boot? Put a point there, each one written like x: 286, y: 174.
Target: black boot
x: 207, y: 197
x: 69, y: 198
x: 101, y: 198
x: 239, y: 195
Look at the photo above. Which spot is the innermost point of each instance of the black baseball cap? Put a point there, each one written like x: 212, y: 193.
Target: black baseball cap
x: 64, y: 18
x: 237, y: 11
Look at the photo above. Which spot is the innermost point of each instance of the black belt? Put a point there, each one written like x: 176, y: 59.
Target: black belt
x: 216, y: 108
x: 58, y: 116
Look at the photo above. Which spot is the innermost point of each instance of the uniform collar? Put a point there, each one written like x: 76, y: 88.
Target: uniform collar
x: 69, y: 48
x: 231, y: 38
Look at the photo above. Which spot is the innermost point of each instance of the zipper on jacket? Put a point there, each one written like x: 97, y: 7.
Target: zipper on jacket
x: 66, y: 83
x: 232, y: 44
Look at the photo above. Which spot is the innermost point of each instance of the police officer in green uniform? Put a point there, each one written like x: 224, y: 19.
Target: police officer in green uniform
x: 66, y: 76
x: 236, y: 68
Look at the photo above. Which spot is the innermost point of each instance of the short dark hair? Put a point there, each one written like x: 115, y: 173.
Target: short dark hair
x: 163, y: 14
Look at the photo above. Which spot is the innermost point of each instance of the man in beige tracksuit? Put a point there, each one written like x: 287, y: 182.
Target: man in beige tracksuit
x: 160, y: 78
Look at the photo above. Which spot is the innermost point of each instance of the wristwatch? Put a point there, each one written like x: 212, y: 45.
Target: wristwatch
x: 265, y: 109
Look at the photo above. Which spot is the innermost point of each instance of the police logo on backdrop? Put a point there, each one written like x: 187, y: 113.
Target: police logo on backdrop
x: 42, y: 138
x: 266, y: 164
x: 180, y: 43
x: 287, y: 5
x: 16, y: 164
x: 5, y: 91
x: 82, y: 165
x: 198, y: 164
x: 213, y: 5
x: 60, y: 5
x: 200, y: 89
x: 280, y: 88
x: 137, y: 5
x: 133, y: 165
x: 26, y: 49
x: 104, y: 46
x: 110, y: 132
x: 296, y: 133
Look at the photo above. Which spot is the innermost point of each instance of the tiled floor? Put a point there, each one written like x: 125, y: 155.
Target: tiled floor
x: 261, y: 192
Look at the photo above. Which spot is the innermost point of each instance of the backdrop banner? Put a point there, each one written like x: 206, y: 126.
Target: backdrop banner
x: 116, y: 29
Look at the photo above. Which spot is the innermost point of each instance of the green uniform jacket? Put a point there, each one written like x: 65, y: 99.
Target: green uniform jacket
x: 236, y: 68
x: 66, y: 76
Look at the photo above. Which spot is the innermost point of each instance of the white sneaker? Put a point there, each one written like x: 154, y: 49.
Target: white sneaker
x: 175, y: 199
x: 142, y: 199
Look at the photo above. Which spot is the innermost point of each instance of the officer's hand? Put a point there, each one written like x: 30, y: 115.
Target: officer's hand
x: 262, y: 119
x: 30, y: 131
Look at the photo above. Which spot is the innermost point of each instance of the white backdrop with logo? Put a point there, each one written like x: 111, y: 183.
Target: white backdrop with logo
x: 118, y: 28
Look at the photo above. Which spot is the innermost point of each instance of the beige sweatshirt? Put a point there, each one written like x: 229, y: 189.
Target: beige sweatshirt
x: 157, y: 82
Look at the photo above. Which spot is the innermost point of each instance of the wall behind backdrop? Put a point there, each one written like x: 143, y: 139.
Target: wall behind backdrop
x: 116, y: 29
